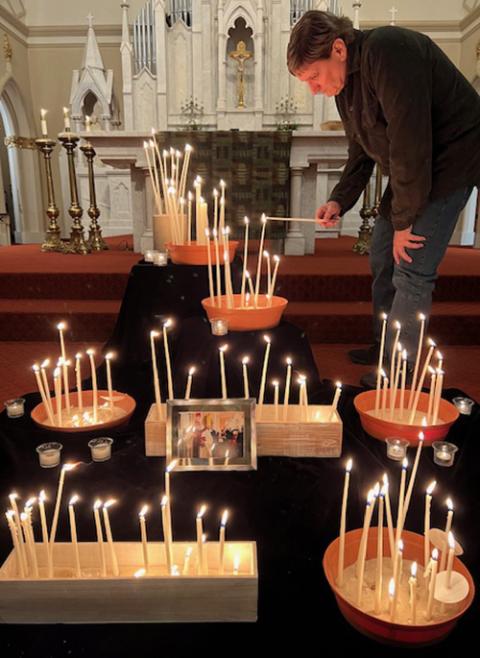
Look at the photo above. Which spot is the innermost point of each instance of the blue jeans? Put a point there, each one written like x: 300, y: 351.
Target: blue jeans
x: 403, y: 291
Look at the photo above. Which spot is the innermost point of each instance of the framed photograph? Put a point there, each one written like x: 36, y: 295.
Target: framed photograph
x: 212, y: 435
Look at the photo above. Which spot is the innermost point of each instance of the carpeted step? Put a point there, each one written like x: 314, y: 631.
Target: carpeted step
x: 452, y: 323
x: 52, y: 285
x: 36, y: 319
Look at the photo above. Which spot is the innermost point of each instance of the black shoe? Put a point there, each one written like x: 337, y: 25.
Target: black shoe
x: 367, y: 356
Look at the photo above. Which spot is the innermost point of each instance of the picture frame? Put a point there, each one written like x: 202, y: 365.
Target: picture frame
x: 212, y: 435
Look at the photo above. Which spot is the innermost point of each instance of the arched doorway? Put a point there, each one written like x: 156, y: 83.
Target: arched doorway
x: 23, y: 176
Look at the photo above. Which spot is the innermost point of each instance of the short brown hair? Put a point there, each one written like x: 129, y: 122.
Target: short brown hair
x: 313, y: 36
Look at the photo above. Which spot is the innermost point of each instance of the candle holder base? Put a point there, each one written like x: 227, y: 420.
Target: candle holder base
x: 247, y: 318
x: 228, y: 595
x: 382, y: 426
x: 123, y: 408
x: 197, y: 254
x: 379, y: 626
x: 53, y: 241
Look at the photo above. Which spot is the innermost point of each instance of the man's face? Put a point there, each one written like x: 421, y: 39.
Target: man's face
x: 326, y: 76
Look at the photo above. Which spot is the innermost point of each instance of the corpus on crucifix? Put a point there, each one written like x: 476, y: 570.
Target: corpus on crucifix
x: 240, y: 55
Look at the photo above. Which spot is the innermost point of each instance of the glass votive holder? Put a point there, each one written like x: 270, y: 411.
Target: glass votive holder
x: 101, y: 448
x: 464, y: 405
x: 396, y: 448
x: 49, y: 454
x: 444, y: 453
x: 160, y: 258
x: 149, y: 255
x: 219, y: 326
x: 15, y: 408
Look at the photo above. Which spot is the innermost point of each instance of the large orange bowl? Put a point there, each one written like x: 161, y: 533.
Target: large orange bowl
x: 380, y: 428
x: 197, y: 254
x: 247, y: 319
x: 121, y: 400
x: 381, y: 629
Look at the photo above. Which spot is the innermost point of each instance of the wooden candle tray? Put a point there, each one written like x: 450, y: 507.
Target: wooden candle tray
x: 296, y: 436
x: 154, y: 597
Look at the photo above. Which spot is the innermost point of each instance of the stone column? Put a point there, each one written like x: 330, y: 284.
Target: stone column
x: 295, y: 240
x: 221, y: 93
x: 258, y: 92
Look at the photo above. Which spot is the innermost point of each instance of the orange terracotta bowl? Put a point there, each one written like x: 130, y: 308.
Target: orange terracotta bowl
x: 381, y: 629
x: 197, y: 254
x: 380, y: 428
x: 122, y: 401
x: 241, y: 319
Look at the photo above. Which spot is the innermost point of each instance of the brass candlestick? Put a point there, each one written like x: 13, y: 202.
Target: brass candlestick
x: 77, y: 244
x: 95, y: 239
x: 362, y: 245
x: 53, y: 241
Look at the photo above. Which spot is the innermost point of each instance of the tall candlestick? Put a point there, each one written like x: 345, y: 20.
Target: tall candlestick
x: 288, y: 380
x: 16, y: 542
x: 16, y: 519
x: 188, y: 388
x: 398, y: 328
x: 271, y: 292
x: 215, y: 208
x: 275, y: 385
x: 448, y: 527
x: 223, y: 525
x: 43, y: 123
x: 199, y: 528
x: 108, y: 359
x: 57, y: 384
x: 261, y: 394
x: 210, y: 274
x: 395, y: 383
x: 362, y: 550
x: 336, y: 397
x: 412, y: 584
x: 398, y: 564
x: 379, y: 565
x: 413, y: 475
x: 30, y: 544
x: 426, y: 536
x: 156, y: 381
x: 266, y: 255
x: 61, y: 326
x: 143, y: 535
x: 384, y: 393
x: 403, y: 384
x: 343, y: 524
x: 168, y: 323
x: 223, y: 378
x: 438, y: 396
x: 401, y: 500
x: 393, y: 596
x: 217, y: 268
x: 420, y: 382
x: 66, y: 119
x: 380, y: 361
x: 91, y: 356
x: 451, y: 555
x: 431, y: 396
x: 66, y: 386
x: 108, y: 533
x: 66, y: 468
x: 433, y: 580
x: 73, y: 535
x: 259, y: 262
x: 36, y: 370
x: 439, y: 356
x: 166, y: 534
x: 251, y: 293
x: 189, y: 218
x: 388, y: 510
x: 46, y: 387
x: 78, y: 374
x: 422, y: 319
x: 246, y: 387
x: 98, y: 528
x: 245, y: 261
x: 43, y: 522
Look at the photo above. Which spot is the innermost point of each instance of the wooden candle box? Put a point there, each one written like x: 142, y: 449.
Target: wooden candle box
x: 299, y: 435
x: 153, y: 597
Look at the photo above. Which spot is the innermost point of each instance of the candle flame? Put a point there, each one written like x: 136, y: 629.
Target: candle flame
x: 422, y: 317
x: 73, y: 499
x: 385, y: 479
x: 223, y: 183
x: 413, y: 570
x: 45, y: 363
x: 190, y: 196
x: 370, y: 496
x: 143, y: 511
x: 338, y: 384
x: 383, y: 373
x: 451, y: 540
x: 431, y: 487
x: 400, y: 545
x: 90, y: 351
x: 42, y: 496
x: 383, y: 491
x: 449, y: 503
x: 61, y: 326
x: 405, y: 463
x: 223, y: 348
x: 191, y: 370
x: 109, y: 356
x: 97, y: 503
x: 245, y: 360
x: 263, y: 218
x: 23, y: 516
x: 202, y: 511
x: 431, y: 370
x: 224, y: 518
x: 10, y: 514
x: 68, y: 467
x: 164, y: 501
x: 398, y: 326
x: 267, y: 339
x: 43, y: 113
x: 275, y: 382
x: 247, y: 274
x: 171, y: 466
x: 168, y: 323
x: 109, y: 503
x: 421, y: 435
x: 391, y: 587
x: 276, y: 258
x: 376, y: 490
x: 435, y: 554
x: 439, y: 355
x: 204, y: 538
x: 35, y: 367
x: 399, y: 347
x: 349, y: 465
x: 78, y: 355
x: 431, y: 342
x: 266, y: 254
x: 154, y: 334
x: 139, y: 573
x: 13, y: 496
x: 207, y: 232
x: 30, y: 502
x: 188, y: 148
x: 246, y: 220
x: 289, y: 361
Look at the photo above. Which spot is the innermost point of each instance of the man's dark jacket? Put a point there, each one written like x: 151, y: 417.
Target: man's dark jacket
x: 408, y: 108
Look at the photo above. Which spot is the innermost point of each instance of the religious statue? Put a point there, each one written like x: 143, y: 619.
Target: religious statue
x: 240, y: 55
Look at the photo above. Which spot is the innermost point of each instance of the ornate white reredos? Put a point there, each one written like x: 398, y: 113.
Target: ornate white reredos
x: 93, y: 79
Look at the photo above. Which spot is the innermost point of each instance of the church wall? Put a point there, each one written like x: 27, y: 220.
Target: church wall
x: 468, y: 56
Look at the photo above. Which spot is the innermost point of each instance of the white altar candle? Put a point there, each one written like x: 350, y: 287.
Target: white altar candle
x: 57, y: 384
x: 197, y: 184
x: 438, y: 396
x: 398, y: 564
x: 66, y: 384
x: 422, y: 319
x: 61, y: 326
x: 228, y: 274
x: 401, y: 500
x: 380, y: 361
x: 420, y: 381
x: 275, y: 385
x: 393, y: 598
x: 251, y: 293
x: 396, y: 381
x: 43, y: 522
x: 384, y: 394
x: 379, y: 564
x: 73, y: 534
x: 199, y: 529
x: 217, y: 268
x: 261, y: 394
x: 288, y: 380
x: 451, y: 555
x: 412, y: 584
x: 448, y: 527
x: 413, y: 475
x: 431, y: 396
x: 426, y: 524
x: 98, y: 528
x: 30, y: 544
x: 91, y: 356
x: 66, y: 119
x: 16, y: 519
x: 43, y: 123
x: 108, y: 533
x: 266, y: 255
x: 78, y: 374
x: 433, y: 580
x: 189, y: 218
x: 403, y: 383
x: 246, y: 387
x: 260, y: 253
x: 393, y: 355
x: 362, y: 550
x: 245, y: 261
x: 188, y: 388
x: 215, y: 208
x: 143, y: 535
x: 343, y: 524
x: 276, y: 260
x: 66, y: 468
x: 223, y: 185
x: 439, y: 356
x: 16, y: 542
x: 168, y: 323
x: 46, y: 386
x: 108, y: 359
x: 36, y: 370
x: 336, y: 397
x: 223, y: 525
x: 166, y: 534
x: 210, y: 274
x: 388, y: 510
x: 223, y: 378
x: 88, y: 124
x: 156, y: 381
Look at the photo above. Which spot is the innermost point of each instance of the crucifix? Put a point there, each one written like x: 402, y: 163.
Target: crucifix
x: 240, y: 55
x: 393, y: 11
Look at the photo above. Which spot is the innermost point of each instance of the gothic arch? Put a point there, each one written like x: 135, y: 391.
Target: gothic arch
x: 246, y: 10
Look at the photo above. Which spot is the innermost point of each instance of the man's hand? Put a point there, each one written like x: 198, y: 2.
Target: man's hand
x: 405, y: 240
x: 328, y: 214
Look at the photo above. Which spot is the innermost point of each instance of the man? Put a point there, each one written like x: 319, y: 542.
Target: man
x: 405, y: 106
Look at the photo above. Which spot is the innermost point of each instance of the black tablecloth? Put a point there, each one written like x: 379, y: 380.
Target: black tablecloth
x: 289, y: 506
